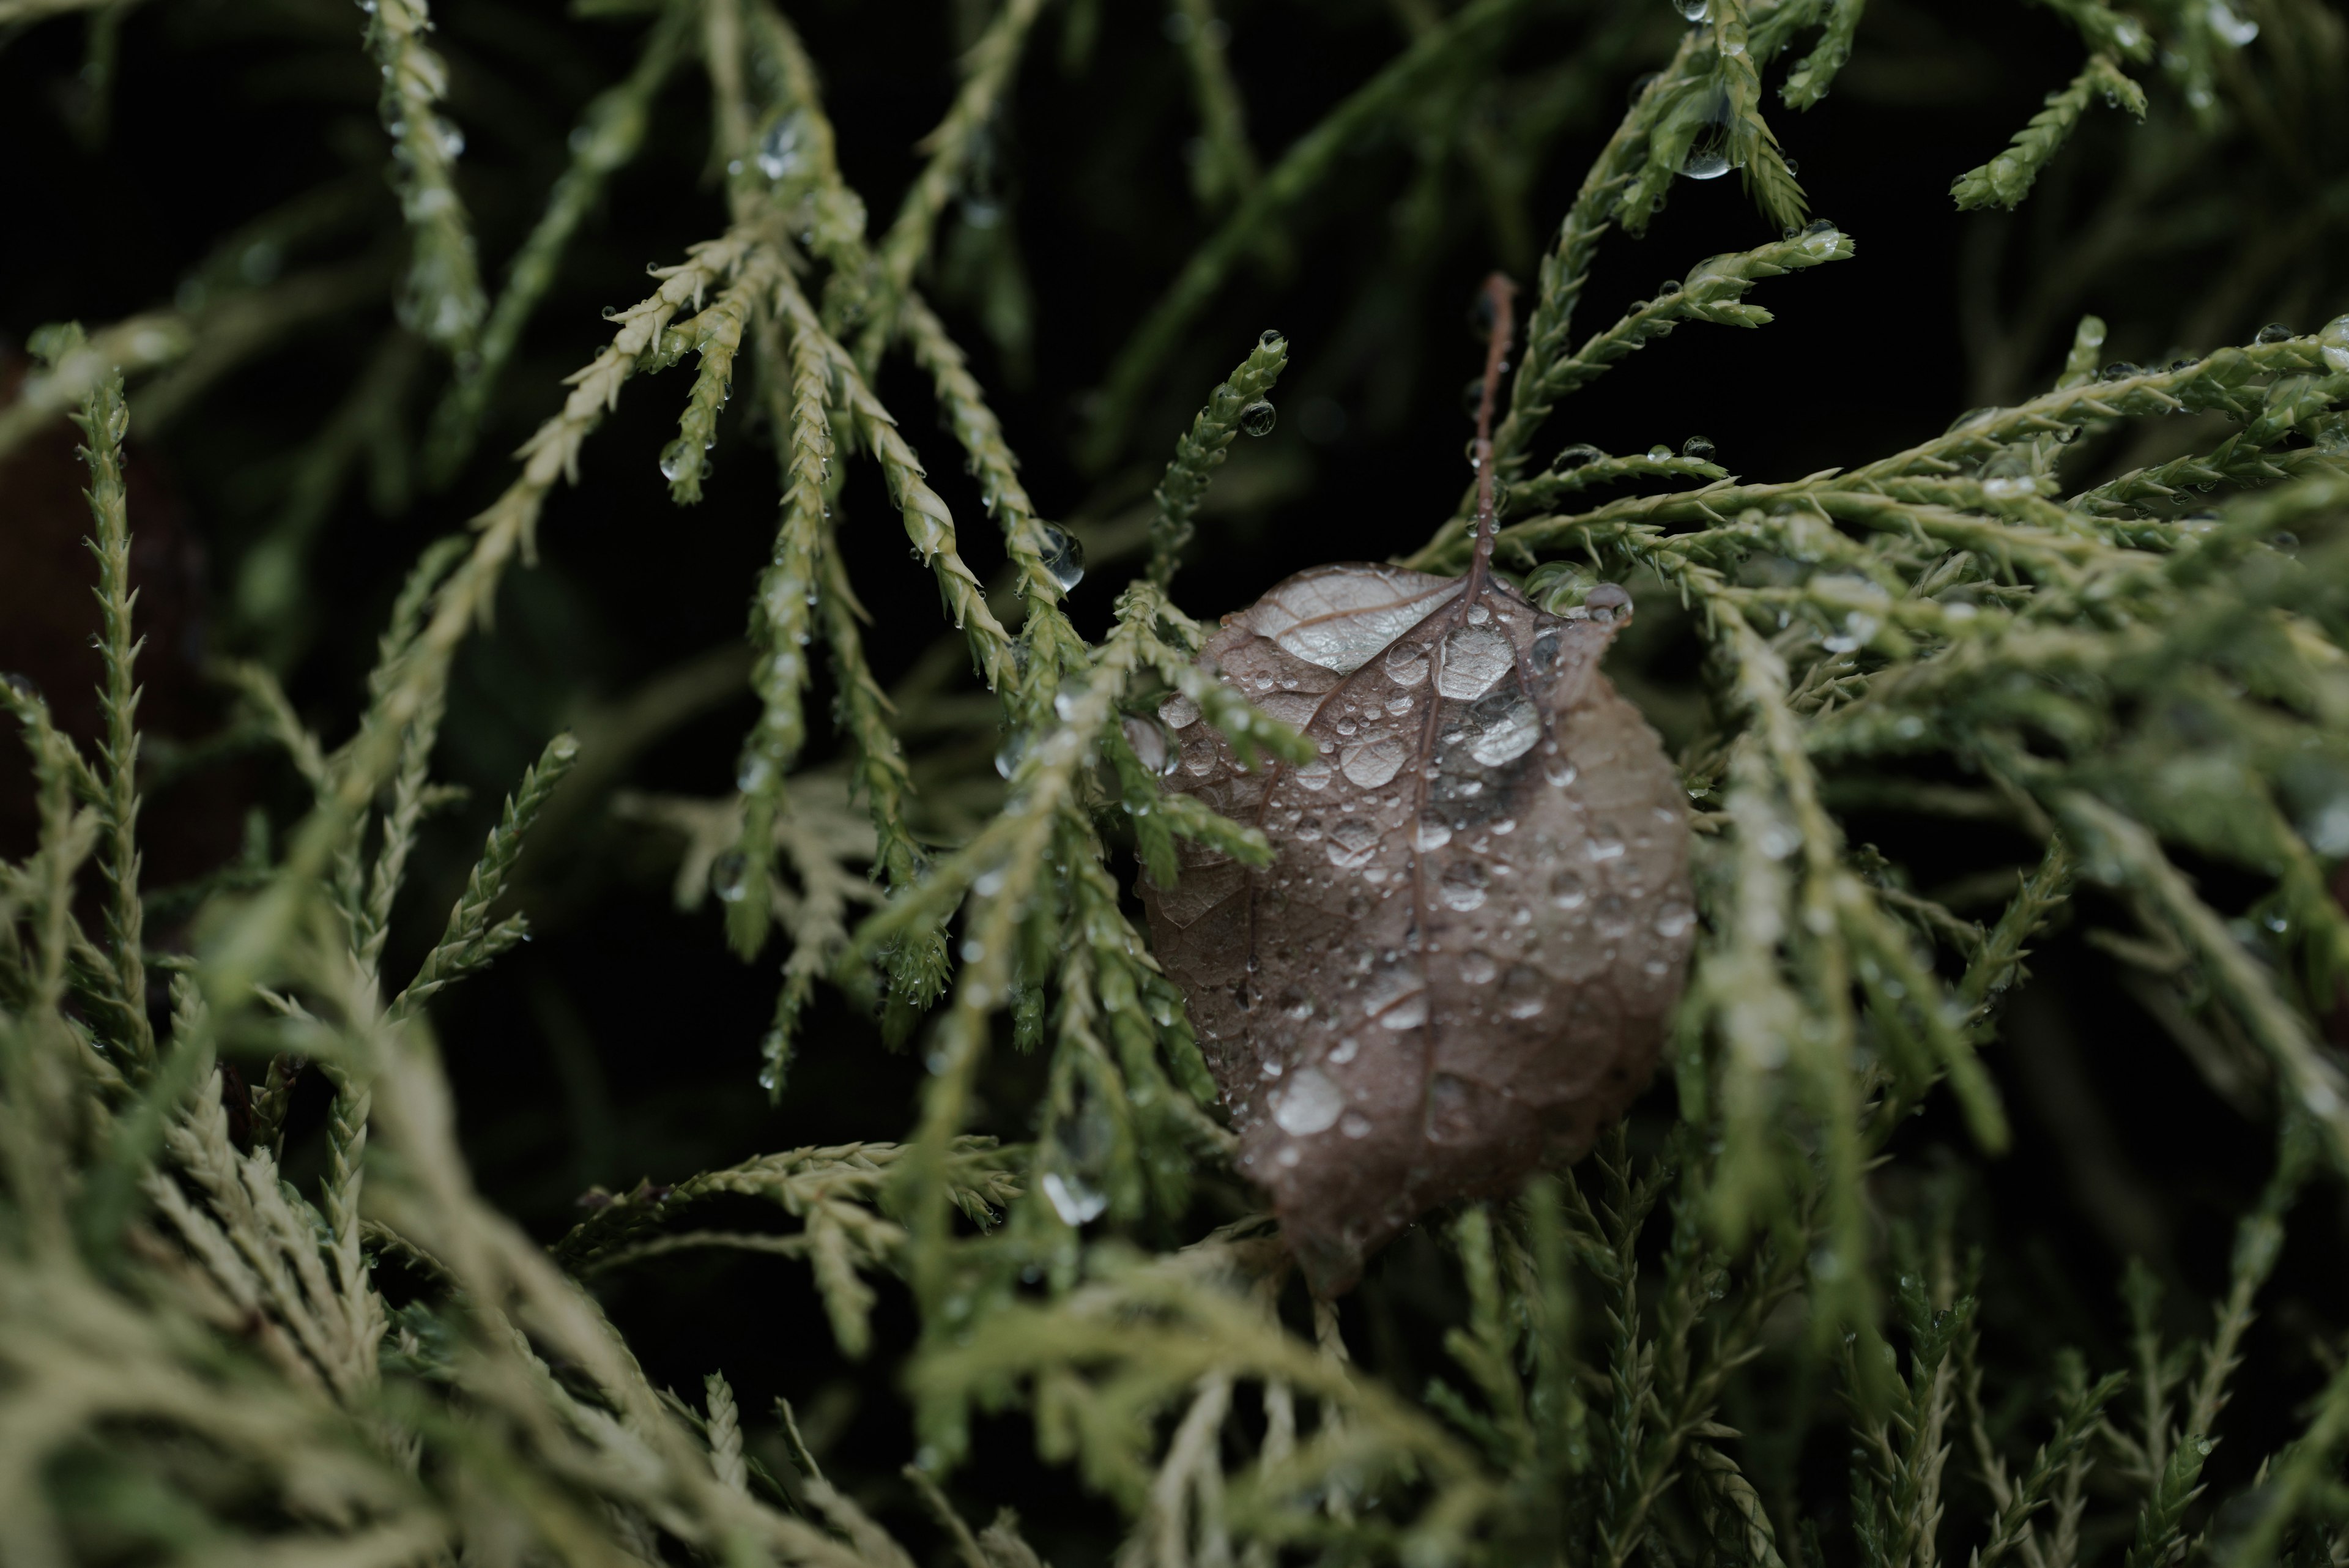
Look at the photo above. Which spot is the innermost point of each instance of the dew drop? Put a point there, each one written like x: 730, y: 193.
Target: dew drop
x: 1431, y: 835
x: 1462, y: 885
x: 1352, y: 842
x: 728, y: 874
x: 1406, y: 666
x: 1567, y: 890
x: 1149, y: 744
x: 1697, y: 447
x: 1511, y: 736
x: 1478, y: 968
x: 1674, y: 921
x: 1258, y: 418
x: 2274, y: 332
x: 1178, y: 713
x: 2333, y: 344
x: 1354, y: 1124
x: 1525, y: 992
x: 1692, y: 10
x: 1475, y: 659
x: 1374, y: 763
x: 1075, y: 1201
x: 1063, y: 557
x: 1310, y: 1104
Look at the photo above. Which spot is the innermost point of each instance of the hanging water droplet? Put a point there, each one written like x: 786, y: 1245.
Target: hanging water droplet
x: 1705, y: 161
x: 1007, y: 755
x: 728, y: 874
x: 677, y: 459
x: 1258, y: 418
x: 1692, y: 10
x: 1149, y: 744
x: 1075, y: 1200
x: 1064, y: 557
x: 2232, y: 29
x: 780, y: 151
x: 1697, y: 447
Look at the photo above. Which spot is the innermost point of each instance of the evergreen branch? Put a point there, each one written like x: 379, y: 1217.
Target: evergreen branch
x: 929, y: 523
x: 104, y: 419
x: 917, y: 962
x: 1479, y: 25
x: 2103, y: 28
x: 1752, y: 147
x: 1592, y: 469
x: 1808, y: 82
x: 1203, y: 448
x: 469, y: 941
x: 987, y: 80
x: 2074, y: 1424
x: 441, y: 299
x: 796, y: 382
x: 507, y: 528
x: 610, y: 133
x: 1047, y: 562
x: 1226, y: 169
x: 74, y: 366
x: 2116, y: 850
x: 715, y: 337
x: 1565, y: 270
x: 2006, y: 179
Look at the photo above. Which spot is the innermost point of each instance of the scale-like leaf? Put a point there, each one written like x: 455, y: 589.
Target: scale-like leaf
x: 1461, y: 962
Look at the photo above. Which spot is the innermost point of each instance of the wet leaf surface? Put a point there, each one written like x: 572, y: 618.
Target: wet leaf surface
x: 1461, y: 963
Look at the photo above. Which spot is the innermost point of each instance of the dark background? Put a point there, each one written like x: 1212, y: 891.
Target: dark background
x: 622, y: 1043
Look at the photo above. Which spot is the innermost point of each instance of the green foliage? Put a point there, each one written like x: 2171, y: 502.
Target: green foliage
x: 242, y: 1321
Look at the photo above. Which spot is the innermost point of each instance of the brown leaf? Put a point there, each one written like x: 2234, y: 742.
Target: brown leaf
x: 1461, y: 962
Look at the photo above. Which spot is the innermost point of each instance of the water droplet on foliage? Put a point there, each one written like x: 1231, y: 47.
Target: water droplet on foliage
x: 2333, y: 344
x: 1660, y: 452
x: 2121, y: 369
x: 1149, y: 745
x: 1310, y: 1104
x: 2232, y: 29
x: 1064, y: 557
x: 1577, y: 455
x: 728, y: 875
x: 1258, y: 418
x: 1267, y: 338
x: 1462, y: 885
x: 2274, y: 332
x: 1474, y: 661
x: 780, y: 154
x: 1075, y: 1201
x: 1698, y: 448
x: 1692, y: 10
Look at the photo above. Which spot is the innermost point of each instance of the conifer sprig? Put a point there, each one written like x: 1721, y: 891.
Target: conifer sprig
x: 441, y: 299
x: 104, y: 421
x: 2005, y: 179
x: 1202, y: 448
x: 610, y: 133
